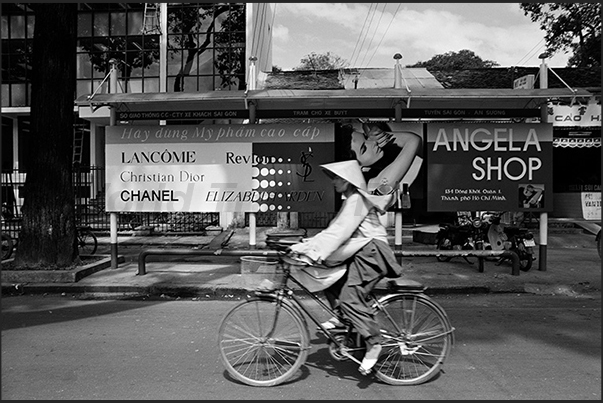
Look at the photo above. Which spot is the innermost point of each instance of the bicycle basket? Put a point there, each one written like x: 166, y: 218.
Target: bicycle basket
x: 255, y: 269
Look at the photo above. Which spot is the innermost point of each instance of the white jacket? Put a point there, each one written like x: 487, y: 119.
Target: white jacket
x: 354, y: 226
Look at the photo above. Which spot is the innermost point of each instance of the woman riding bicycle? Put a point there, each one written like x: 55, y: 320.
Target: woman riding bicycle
x: 357, y: 238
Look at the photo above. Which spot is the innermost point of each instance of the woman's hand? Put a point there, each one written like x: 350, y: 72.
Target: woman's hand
x: 383, y: 139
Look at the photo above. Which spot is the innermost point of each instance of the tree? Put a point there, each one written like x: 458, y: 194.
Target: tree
x: 47, y: 239
x: 197, y: 26
x: 228, y: 30
x: 322, y: 61
x: 570, y: 27
x: 463, y: 59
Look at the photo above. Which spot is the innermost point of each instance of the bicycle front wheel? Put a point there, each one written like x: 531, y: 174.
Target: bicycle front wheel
x: 87, y: 242
x: 417, y: 338
x: 263, y: 342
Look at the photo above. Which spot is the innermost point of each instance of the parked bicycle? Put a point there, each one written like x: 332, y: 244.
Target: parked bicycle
x: 87, y: 242
x: 7, y: 246
x: 264, y: 340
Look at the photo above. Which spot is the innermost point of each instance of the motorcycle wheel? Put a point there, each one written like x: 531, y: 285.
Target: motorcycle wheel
x: 444, y: 244
x: 525, y: 259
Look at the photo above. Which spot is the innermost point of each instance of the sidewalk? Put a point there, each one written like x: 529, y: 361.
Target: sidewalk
x: 573, y: 268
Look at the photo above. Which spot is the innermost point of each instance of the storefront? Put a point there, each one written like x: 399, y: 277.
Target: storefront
x: 577, y: 160
x: 461, y: 107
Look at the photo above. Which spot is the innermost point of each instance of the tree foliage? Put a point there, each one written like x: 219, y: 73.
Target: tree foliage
x: 570, y: 27
x: 321, y: 61
x: 220, y: 22
x: 463, y: 59
x: 197, y: 27
x: 47, y: 238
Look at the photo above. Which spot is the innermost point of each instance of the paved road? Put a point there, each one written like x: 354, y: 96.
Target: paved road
x: 509, y: 346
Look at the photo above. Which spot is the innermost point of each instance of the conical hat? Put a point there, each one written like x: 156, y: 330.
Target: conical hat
x: 348, y: 170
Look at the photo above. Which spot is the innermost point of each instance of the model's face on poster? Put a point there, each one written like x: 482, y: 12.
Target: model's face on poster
x: 366, y: 150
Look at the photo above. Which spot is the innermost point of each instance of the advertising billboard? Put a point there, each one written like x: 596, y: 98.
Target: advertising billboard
x: 219, y: 168
x: 489, y: 166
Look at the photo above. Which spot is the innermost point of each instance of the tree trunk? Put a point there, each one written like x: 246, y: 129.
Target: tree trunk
x: 48, y: 233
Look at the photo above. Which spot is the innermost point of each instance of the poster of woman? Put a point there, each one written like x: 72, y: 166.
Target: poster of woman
x: 390, y: 154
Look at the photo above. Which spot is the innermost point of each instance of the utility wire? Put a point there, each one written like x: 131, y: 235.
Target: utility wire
x: 372, y: 15
x: 352, y: 60
x: 373, y: 35
x: 530, y: 53
x: 386, y: 30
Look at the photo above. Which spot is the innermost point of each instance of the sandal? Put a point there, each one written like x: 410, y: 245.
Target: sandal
x: 370, y: 358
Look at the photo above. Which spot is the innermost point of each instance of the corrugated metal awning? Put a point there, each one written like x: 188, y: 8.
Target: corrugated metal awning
x: 414, y: 78
x: 382, y: 98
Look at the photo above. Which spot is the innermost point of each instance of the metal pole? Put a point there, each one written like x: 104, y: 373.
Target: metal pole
x: 543, y: 216
x: 113, y: 122
x: 252, y: 231
x: 398, y: 119
x: 251, y: 85
x: 163, y: 48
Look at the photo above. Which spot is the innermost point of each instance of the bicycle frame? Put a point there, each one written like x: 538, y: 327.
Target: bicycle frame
x: 283, y: 293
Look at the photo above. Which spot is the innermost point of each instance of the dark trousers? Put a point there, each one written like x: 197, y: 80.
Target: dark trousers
x: 349, y: 295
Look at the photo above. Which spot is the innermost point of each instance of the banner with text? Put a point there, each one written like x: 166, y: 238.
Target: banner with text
x: 219, y: 168
x: 489, y: 166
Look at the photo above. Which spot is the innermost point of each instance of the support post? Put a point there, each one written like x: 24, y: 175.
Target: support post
x: 543, y: 216
x: 163, y: 45
x: 398, y: 119
x: 398, y: 230
x: 543, y: 241
x: 113, y: 122
x: 252, y: 231
x: 251, y: 85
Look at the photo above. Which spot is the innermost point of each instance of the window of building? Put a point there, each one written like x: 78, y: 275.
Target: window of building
x: 17, y: 40
x: 206, y: 48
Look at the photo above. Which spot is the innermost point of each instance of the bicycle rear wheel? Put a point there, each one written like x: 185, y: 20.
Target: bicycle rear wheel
x: 86, y: 241
x: 7, y: 246
x: 262, y: 344
x: 418, y: 341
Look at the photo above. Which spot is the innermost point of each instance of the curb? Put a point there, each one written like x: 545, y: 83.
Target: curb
x: 217, y: 293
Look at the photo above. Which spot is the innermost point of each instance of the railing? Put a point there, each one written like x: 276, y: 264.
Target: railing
x: 88, y: 184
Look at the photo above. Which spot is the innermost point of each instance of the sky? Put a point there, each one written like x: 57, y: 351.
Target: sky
x: 369, y: 34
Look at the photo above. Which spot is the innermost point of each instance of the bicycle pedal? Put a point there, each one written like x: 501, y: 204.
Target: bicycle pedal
x: 365, y: 372
x: 336, y: 330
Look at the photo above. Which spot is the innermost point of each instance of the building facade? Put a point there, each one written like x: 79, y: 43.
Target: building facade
x: 153, y: 47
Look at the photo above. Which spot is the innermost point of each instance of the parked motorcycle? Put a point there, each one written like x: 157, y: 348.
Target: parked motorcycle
x: 457, y: 236
x: 514, y: 238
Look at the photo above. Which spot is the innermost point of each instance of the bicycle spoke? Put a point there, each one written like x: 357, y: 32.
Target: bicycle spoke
x: 262, y: 343
x: 416, y: 343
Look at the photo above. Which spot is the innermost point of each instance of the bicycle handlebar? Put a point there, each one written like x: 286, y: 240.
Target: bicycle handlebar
x: 280, y: 244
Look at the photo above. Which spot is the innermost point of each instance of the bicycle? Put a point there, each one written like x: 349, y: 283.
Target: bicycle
x: 86, y: 240
x: 7, y: 246
x: 264, y: 340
